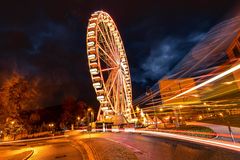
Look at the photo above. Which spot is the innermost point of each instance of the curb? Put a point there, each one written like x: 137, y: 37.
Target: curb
x: 29, y: 155
x: 34, y: 139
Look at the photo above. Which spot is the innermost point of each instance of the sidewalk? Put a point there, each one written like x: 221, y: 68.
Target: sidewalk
x: 15, y: 154
x: 221, y: 130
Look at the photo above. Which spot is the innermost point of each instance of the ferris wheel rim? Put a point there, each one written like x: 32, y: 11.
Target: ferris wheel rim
x: 116, y: 58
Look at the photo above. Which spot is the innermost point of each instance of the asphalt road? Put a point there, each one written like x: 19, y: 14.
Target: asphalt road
x: 122, y: 146
x: 55, y: 149
x: 151, y: 148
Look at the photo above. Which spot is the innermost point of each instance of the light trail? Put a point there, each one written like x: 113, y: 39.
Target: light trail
x: 211, y: 142
x: 207, y: 82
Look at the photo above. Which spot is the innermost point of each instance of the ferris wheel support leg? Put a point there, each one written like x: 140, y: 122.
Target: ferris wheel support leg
x: 99, y: 112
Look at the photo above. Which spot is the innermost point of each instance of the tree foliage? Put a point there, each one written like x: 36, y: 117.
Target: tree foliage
x: 71, y: 109
x: 17, y: 94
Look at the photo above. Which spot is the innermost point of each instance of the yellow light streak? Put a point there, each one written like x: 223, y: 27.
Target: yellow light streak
x: 207, y: 82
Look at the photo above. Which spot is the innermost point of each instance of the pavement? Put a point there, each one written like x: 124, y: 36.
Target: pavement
x: 15, y: 153
x: 221, y: 130
x: 147, y: 147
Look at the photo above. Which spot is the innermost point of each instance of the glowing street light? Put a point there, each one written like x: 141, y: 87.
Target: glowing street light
x: 51, y: 125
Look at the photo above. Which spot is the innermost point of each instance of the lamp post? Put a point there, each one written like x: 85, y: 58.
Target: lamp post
x: 78, y: 119
x: 51, y: 125
x: 90, y: 110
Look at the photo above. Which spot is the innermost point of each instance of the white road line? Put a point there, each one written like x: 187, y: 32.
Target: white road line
x: 135, y: 150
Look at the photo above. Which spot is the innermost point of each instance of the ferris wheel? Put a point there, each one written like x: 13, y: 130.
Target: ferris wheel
x: 109, y: 68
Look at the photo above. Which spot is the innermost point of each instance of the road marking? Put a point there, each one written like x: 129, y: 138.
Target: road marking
x: 88, y: 150
x: 135, y: 150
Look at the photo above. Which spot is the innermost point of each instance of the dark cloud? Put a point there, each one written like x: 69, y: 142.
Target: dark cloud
x: 164, y: 55
x: 46, y: 39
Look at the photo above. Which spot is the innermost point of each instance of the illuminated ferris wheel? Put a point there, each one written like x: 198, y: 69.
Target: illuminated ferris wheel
x: 109, y: 69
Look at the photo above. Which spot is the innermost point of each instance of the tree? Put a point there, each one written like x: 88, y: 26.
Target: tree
x: 68, y: 109
x: 17, y: 94
x: 34, y: 121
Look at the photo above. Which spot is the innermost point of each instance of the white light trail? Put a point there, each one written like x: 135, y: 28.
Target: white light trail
x: 211, y: 142
x: 207, y: 82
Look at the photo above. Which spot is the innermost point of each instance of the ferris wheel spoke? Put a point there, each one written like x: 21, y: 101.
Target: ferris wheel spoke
x: 106, y: 41
x: 108, y: 69
x: 113, y: 46
x: 111, y: 105
x: 124, y: 87
x: 107, y: 62
x: 112, y: 42
x: 109, y: 80
x: 107, y: 55
x: 112, y: 84
x: 117, y: 97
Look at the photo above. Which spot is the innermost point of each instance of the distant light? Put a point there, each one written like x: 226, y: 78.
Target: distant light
x: 227, y: 83
x: 137, y: 109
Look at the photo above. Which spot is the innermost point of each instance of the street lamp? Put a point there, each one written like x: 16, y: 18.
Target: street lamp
x: 51, y: 125
x: 78, y: 119
x: 91, y: 115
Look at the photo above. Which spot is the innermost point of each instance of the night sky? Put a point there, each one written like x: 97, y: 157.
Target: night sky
x: 46, y: 39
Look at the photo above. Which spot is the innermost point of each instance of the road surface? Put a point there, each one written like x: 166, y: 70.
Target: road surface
x: 55, y: 149
x: 121, y: 146
x: 150, y: 148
